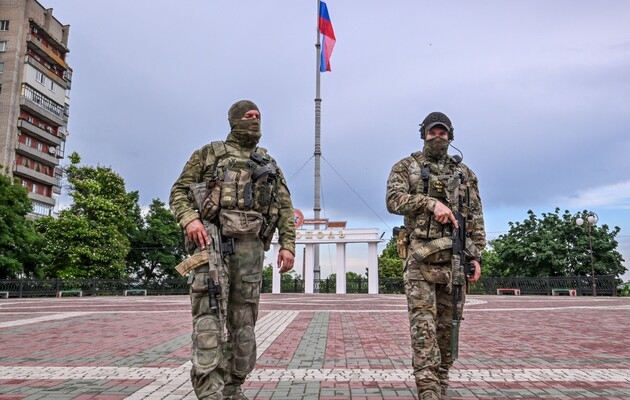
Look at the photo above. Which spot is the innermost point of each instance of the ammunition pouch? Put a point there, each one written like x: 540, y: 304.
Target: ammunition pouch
x: 402, y: 241
x: 205, y: 197
x: 240, y: 224
x: 436, y: 273
x: 210, y: 206
x: 433, y: 260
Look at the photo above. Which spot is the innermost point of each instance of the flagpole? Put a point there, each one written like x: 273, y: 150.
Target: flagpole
x: 318, y: 150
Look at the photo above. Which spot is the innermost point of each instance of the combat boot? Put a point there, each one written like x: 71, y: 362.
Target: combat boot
x: 429, y: 395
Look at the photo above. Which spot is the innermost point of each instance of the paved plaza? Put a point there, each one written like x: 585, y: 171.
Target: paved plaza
x: 315, y: 347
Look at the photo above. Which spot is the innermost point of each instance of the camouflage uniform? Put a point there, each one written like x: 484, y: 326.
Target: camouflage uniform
x: 414, y: 185
x: 221, y: 366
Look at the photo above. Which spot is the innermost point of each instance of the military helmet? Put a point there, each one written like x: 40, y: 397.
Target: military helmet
x: 433, y: 119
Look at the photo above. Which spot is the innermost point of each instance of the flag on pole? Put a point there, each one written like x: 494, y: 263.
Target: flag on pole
x: 328, y: 37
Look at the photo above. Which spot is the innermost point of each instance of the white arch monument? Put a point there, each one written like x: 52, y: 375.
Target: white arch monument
x: 340, y: 237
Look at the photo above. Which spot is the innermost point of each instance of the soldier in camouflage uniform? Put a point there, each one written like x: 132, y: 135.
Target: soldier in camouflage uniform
x: 426, y: 188
x: 247, y: 199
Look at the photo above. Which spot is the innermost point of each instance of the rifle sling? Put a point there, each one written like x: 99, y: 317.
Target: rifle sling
x: 432, y: 247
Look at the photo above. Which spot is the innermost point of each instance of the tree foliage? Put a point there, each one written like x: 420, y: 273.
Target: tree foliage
x: 91, y: 238
x: 20, y: 244
x: 285, y: 278
x: 156, y: 245
x: 554, y: 245
x: 389, y: 264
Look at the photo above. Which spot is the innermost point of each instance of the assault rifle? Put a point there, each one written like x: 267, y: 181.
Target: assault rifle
x: 461, y: 269
x: 215, y: 251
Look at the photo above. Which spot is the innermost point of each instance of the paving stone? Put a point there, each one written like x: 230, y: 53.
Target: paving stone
x: 319, y: 347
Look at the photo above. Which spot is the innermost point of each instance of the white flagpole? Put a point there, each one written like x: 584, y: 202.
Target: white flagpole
x: 318, y: 150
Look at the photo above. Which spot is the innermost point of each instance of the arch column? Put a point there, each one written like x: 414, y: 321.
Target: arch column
x: 275, y: 275
x: 341, y: 269
x: 309, y: 275
x: 372, y: 268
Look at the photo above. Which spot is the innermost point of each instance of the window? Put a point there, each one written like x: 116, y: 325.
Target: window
x: 3, y: 46
x: 4, y: 25
x: 39, y: 77
x: 39, y: 146
x: 35, y: 188
x: 27, y: 141
x: 52, y: 85
x: 1, y: 67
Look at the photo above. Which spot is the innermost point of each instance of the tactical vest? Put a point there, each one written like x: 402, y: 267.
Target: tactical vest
x: 246, y: 192
x: 445, y: 181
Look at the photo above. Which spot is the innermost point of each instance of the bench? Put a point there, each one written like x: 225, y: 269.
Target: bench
x: 515, y: 292
x: 560, y: 292
x: 4, y: 294
x: 143, y: 291
x: 61, y: 292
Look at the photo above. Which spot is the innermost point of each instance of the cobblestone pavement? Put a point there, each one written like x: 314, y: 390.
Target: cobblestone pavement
x: 315, y: 347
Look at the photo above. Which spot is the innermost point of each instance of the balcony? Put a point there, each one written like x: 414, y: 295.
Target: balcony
x: 40, y: 198
x: 34, y: 175
x: 49, y: 74
x: 39, y: 132
x: 40, y: 111
x: 37, y: 155
x: 43, y: 51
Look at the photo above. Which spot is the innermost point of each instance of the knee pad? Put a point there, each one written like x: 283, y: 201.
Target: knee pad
x: 244, y: 351
x: 206, y: 344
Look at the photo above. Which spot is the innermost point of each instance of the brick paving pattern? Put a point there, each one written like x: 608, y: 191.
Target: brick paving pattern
x: 326, y: 347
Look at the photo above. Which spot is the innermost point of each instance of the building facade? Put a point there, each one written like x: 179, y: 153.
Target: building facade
x: 34, y: 99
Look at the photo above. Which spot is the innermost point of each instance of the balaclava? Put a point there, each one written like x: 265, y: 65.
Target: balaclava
x: 436, y: 148
x: 245, y: 132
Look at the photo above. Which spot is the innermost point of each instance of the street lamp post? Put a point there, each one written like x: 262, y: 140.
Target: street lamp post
x: 591, y: 219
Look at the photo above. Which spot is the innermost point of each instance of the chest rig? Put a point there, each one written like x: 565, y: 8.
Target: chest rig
x: 244, y: 191
x: 444, y: 180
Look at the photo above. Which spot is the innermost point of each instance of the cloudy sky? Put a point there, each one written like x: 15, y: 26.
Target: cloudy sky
x: 538, y: 92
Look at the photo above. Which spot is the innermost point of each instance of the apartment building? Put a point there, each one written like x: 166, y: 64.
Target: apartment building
x: 34, y: 98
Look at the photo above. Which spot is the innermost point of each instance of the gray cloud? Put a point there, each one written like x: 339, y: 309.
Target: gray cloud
x: 538, y: 92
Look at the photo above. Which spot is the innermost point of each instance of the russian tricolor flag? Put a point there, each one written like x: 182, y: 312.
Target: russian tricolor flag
x: 328, y: 39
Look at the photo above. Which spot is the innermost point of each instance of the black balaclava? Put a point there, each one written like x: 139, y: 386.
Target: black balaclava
x: 245, y: 132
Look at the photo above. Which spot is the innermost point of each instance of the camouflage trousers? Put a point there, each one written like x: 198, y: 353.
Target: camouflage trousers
x: 221, y: 366
x: 430, y: 307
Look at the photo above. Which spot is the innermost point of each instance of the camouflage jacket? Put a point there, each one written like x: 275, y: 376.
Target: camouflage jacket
x: 455, y: 185
x: 200, y: 168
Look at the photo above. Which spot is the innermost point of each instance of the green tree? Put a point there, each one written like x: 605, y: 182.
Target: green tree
x: 389, y: 264
x: 353, y: 280
x: 156, y: 245
x: 491, y: 264
x: 91, y: 238
x: 20, y: 243
x: 554, y: 245
x: 286, y: 280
